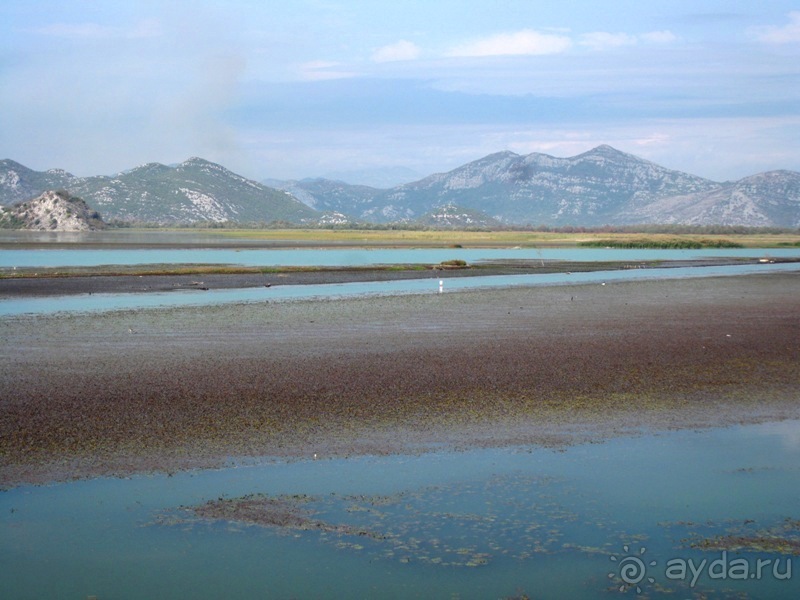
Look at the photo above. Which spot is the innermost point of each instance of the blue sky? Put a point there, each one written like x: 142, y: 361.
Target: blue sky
x: 302, y: 88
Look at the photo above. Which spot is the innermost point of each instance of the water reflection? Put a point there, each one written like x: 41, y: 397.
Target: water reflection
x: 788, y: 432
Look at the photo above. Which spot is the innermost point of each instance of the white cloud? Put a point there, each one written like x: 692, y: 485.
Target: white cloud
x: 525, y: 42
x: 787, y: 34
x: 530, y: 42
x: 601, y: 40
x: 402, y: 50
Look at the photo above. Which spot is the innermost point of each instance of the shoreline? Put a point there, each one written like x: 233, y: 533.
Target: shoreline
x: 33, y: 282
x: 175, y: 388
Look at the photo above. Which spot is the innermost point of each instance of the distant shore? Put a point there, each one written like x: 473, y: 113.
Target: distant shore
x: 164, y: 389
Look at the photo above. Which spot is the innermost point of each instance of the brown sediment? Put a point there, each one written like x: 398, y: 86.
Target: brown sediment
x: 164, y: 389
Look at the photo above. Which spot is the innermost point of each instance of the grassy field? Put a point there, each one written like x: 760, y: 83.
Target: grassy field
x: 468, y: 239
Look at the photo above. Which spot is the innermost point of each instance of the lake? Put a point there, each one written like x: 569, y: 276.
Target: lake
x: 493, y: 523
x: 626, y: 517
x: 336, y: 257
x: 340, y: 257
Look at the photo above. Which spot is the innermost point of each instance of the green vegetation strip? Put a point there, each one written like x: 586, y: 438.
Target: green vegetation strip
x: 148, y: 270
x: 677, y: 243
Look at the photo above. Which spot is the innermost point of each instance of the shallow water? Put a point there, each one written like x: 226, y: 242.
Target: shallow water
x: 430, y: 284
x: 478, y: 524
x: 336, y: 257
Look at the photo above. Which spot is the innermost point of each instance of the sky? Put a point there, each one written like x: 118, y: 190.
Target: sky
x: 302, y: 88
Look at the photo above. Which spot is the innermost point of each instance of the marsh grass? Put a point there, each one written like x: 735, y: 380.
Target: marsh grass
x: 673, y: 243
x: 473, y: 239
x: 456, y: 263
x: 168, y: 269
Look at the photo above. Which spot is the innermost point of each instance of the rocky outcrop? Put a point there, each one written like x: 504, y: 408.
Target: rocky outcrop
x: 51, y: 211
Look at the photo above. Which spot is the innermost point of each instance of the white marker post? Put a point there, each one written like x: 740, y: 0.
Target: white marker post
x: 441, y: 286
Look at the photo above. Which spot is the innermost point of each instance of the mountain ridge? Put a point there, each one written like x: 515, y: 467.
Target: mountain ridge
x: 602, y: 186
x: 732, y: 201
x: 195, y: 190
x: 529, y: 189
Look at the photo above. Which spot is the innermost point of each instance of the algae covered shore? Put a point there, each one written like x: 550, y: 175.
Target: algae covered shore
x: 165, y: 389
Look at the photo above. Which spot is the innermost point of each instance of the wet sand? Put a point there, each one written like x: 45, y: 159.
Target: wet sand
x: 167, y: 389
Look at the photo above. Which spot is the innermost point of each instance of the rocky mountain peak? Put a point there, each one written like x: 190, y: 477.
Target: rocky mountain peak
x: 605, y: 150
x: 607, y: 154
x: 195, y: 162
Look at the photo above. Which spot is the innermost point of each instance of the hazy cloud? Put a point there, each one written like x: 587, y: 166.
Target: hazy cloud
x: 402, y: 50
x: 786, y: 34
x: 525, y: 42
x: 322, y: 70
x: 710, y: 148
x: 531, y: 43
x: 601, y: 40
x: 100, y: 86
x: 142, y: 29
x: 652, y: 139
x: 659, y: 37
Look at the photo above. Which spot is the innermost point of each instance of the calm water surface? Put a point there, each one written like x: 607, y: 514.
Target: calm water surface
x: 332, y: 257
x: 430, y: 284
x: 477, y: 524
x: 335, y: 257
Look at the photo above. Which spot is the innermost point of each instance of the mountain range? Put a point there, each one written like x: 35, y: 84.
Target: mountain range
x: 600, y: 187
x: 193, y: 191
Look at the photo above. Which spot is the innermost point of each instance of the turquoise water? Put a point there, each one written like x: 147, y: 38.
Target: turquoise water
x: 32, y: 258
x: 478, y: 524
x: 106, y: 302
x: 334, y: 257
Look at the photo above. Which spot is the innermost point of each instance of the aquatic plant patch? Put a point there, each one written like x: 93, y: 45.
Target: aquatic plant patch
x: 466, y: 524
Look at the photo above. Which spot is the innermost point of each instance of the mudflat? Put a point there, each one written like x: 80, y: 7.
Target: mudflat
x: 166, y: 389
x: 145, y: 279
